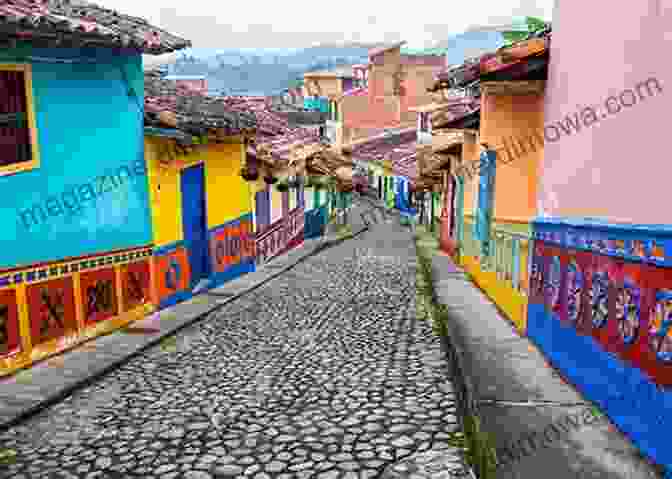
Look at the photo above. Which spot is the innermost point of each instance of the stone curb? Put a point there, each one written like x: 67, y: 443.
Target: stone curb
x: 56, y: 396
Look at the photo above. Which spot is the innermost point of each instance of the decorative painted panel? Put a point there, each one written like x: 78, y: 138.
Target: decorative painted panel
x: 56, y: 296
x: 51, y: 309
x: 282, y: 235
x: 232, y: 243
x: 172, y: 274
x: 135, y: 282
x: 99, y: 295
x: 608, y: 329
x: 9, y: 323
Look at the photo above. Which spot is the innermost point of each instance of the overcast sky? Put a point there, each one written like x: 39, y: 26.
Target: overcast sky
x: 302, y: 23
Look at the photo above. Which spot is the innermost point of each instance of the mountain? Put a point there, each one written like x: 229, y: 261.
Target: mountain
x: 262, y: 71
x: 470, y: 44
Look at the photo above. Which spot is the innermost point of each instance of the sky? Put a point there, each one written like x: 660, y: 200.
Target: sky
x: 275, y: 24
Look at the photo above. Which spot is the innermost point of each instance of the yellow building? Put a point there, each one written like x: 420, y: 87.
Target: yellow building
x: 201, y: 207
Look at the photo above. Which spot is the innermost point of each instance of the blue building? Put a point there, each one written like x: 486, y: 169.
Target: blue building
x: 75, y: 251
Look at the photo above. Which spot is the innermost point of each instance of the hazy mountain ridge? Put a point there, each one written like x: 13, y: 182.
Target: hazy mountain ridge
x: 263, y: 71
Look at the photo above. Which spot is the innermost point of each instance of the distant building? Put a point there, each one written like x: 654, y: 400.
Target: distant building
x: 193, y: 82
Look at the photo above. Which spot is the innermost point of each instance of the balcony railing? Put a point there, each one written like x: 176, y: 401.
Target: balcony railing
x: 509, y: 255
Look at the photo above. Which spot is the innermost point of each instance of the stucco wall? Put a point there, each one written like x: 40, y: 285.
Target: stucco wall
x: 88, y: 127
x: 618, y: 168
x: 505, y: 120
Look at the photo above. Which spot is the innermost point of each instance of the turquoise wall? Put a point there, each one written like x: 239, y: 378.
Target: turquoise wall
x: 90, y: 132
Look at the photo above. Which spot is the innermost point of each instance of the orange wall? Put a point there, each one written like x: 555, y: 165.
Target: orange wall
x: 507, y: 117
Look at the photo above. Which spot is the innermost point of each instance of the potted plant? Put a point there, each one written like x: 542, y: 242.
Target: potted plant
x: 283, y: 186
x: 249, y: 173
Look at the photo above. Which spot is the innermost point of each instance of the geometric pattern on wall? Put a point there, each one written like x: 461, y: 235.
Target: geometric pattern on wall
x: 99, y: 295
x: 9, y: 323
x: 232, y: 243
x: 135, y: 283
x: 51, y: 309
x: 173, y: 274
x: 607, y: 292
x: 64, y: 268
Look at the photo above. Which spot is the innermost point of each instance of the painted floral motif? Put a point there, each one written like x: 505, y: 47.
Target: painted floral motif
x: 654, y: 251
x: 537, y: 277
x: 661, y: 326
x: 627, y: 311
x: 575, y: 283
x: 553, y: 284
x: 638, y: 249
x: 599, y: 295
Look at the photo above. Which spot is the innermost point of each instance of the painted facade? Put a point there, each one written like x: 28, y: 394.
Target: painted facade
x: 76, y: 253
x: 502, y: 273
x: 200, y: 234
x: 600, y: 300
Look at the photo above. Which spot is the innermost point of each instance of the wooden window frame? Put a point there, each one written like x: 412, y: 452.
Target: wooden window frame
x: 34, y: 162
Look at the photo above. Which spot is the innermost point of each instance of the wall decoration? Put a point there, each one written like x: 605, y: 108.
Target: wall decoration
x: 99, y: 295
x: 538, y: 273
x: 553, y: 283
x: 9, y: 323
x: 173, y: 274
x: 51, y: 309
x: 660, y: 332
x: 231, y: 244
x: 135, y: 280
x: 599, y: 298
x: 575, y: 292
x: 628, y: 306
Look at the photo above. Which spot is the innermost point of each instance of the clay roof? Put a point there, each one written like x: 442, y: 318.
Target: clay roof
x: 50, y: 21
x: 193, y: 111
x: 391, y: 146
x: 275, y: 137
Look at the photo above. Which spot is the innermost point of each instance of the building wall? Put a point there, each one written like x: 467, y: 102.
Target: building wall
x: 90, y: 139
x: 415, y: 83
x: 509, y: 124
x: 229, y: 223
x: 579, y: 179
x: 601, y: 288
x: 77, y: 231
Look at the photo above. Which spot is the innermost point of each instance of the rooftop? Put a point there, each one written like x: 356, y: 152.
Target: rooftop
x: 80, y: 23
x: 194, y: 112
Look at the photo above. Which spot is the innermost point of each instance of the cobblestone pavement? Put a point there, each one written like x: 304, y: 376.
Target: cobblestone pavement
x: 325, y: 372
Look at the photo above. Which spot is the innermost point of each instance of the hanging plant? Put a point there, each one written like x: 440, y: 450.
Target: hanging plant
x: 270, y: 180
x: 249, y: 173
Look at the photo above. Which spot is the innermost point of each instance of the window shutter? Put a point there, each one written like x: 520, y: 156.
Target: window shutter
x: 15, y: 144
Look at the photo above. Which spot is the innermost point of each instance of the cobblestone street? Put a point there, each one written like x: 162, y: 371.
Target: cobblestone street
x: 324, y: 372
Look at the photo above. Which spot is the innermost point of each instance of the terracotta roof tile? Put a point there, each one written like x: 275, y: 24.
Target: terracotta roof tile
x: 192, y: 109
x: 94, y: 25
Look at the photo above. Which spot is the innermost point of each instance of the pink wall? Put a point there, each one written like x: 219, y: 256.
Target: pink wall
x: 619, y: 168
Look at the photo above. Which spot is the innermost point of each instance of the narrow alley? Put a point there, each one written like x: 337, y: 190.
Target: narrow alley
x: 323, y: 372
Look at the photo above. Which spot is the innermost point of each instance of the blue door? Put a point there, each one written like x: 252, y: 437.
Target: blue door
x: 194, y: 222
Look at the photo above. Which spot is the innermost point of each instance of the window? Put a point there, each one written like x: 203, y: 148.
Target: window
x: 18, y: 139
